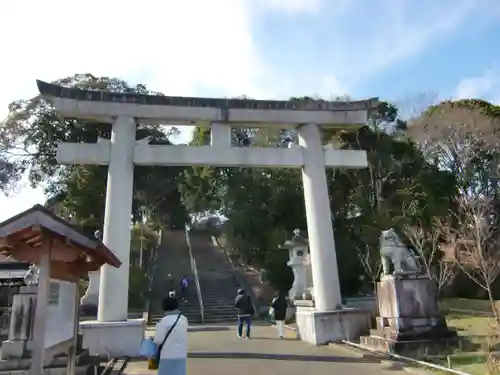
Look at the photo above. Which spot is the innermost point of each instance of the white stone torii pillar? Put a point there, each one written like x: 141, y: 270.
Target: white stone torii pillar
x: 319, y: 221
x: 113, y: 286
x: 122, y: 152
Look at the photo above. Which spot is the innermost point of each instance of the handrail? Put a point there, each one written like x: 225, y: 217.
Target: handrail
x: 152, y: 269
x: 239, y: 274
x: 194, y: 269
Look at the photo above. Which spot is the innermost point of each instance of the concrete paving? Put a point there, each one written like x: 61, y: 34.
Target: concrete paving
x: 217, y: 350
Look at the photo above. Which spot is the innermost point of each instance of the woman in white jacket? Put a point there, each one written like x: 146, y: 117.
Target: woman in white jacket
x: 173, y: 353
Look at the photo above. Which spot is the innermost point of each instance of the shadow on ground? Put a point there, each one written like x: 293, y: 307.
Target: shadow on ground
x: 283, y: 357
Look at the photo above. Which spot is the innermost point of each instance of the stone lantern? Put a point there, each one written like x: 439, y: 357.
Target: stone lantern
x: 298, y: 248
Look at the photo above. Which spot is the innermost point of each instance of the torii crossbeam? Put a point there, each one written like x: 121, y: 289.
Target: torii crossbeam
x: 122, y: 152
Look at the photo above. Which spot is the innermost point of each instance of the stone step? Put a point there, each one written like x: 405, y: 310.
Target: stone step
x: 216, y: 272
x: 211, y: 317
x: 218, y: 294
x: 160, y: 314
x: 218, y: 308
x: 385, y: 333
x: 231, y: 294
x: 191, y: 320
x: 223, y: 286
x: 233, y: 287
x: 222, y: 301
x: 218, y: 304
x: 414, y: 349
x: 190, y: 312
x: 216, y: 280
x: 226, y: 298
x: 218, y: 299
x: 375, y: 343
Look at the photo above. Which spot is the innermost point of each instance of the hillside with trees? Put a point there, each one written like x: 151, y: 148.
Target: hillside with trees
x: 427, y: 178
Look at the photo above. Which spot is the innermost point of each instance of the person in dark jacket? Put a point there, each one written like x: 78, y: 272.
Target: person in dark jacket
x: 184, y: 284
x: 171, y: 284
x: 243, y: 304
x: 279, y: 305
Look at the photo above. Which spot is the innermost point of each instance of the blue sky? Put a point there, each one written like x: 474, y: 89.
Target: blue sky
x: 408, y: 51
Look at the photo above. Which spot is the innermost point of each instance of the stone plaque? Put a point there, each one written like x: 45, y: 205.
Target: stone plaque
x: 54, y: 293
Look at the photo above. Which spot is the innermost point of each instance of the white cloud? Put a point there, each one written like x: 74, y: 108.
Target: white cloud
x: 184, y: 47
x: 176, y: 47
x: 289, y: 6
x: 173, y: 45
x: 486, y: 86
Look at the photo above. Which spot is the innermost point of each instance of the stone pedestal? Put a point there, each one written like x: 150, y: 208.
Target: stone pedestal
x: 58, y: 326
x: 20, y: 339
x: 409, y: 316
x: 90, y: 299
x: 322, y: 327
x: 17, y: 351
x: 114, y: 339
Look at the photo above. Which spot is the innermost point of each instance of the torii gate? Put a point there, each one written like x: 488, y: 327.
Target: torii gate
x: 122, y: 152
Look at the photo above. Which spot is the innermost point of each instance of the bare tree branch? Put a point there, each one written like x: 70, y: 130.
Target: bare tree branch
x: 437, y: 265
x: 370, y: 261
x: 473, y: 233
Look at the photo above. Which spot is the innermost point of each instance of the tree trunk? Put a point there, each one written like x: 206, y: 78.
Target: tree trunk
x: 375, y: 292
x: 493, y: 307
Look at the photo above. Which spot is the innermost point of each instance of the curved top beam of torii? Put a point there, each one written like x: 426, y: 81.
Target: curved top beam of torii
x: 122, y: 152
x: 103, y: 105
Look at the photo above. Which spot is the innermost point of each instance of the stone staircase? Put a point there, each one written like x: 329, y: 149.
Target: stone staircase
x: 189, y: 309
x: 173, y: 257
x: 217, y: 282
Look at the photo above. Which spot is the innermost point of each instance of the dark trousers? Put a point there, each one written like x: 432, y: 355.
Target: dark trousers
x: 244, y: 320
x: 184, y: 292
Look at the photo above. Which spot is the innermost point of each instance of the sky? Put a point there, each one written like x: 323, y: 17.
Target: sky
x: 411, y: 52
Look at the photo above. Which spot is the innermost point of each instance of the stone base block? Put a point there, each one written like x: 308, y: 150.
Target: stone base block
x: 15, y: 349
x: 89, y: 304
x: 323, y: 327
x: 54, y: 366
x: 414, y: 348
x: 115, y: 339
x: 79, y: 370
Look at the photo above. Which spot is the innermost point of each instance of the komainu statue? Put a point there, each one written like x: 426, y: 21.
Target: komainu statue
x: 32, y: 275
x: 393, y: 250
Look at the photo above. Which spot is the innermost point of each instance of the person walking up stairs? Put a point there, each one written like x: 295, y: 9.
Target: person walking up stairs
x: 243, y: 304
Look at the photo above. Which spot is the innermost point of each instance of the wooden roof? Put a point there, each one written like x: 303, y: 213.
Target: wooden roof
x: 73, y: 254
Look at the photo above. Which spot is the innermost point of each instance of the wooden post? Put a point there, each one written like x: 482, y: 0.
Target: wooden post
x: 71, y: 368
x: 41, y: 311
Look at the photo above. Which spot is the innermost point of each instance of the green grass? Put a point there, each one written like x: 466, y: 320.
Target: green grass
x: 479, y: 305
x: 470, y: 325
x: 472, y: 365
